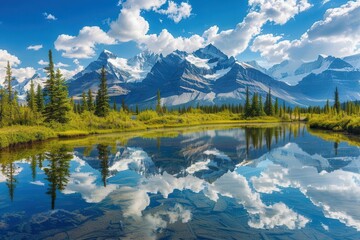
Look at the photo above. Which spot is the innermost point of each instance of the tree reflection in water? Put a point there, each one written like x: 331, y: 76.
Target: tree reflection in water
x: 57, y: 171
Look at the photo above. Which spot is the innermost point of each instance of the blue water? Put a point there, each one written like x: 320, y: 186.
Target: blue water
x: 278, y: 182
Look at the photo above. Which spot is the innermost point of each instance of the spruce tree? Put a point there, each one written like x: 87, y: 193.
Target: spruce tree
x: 114, y: 106
x: 276, y: 107
x: 261, y: 106
x: 255, y: 111
x: 137, y: 109
x: 50, y: 91
x: 84, y: 104
x: 7, y: 82
x: 247, y: 104
x: 268, y: 104
x: 337, y: 105
x: 90, y: 101
x: 158, y: 102
x: 123, y: 105
x: 61, y: 103
x: 39, y: 99
x: 31, y: 98
x: 102, y: 99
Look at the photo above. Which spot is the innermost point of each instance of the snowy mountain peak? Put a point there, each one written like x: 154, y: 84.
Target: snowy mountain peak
x: 106, y: 54
x: 209, y: 52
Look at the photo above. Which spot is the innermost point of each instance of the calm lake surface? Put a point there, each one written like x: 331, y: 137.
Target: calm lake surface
x: 269, y: 182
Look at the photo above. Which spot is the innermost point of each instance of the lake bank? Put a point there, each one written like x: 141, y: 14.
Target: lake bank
x: 16, y: 135
x: 338, y: 123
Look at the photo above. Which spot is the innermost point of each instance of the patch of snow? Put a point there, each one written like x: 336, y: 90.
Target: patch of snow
x: 218, y: 74
x: 198, y: 62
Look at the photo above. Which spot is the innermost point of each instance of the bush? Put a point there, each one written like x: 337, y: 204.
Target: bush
x: 147, y: 115
x: 10, y: 136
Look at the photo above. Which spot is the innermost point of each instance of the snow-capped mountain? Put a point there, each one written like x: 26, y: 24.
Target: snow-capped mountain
x: 292, y: 72
x: 23, y: 87
x: 354, y: 60
x: 120, y: 71
x: 208, y: 76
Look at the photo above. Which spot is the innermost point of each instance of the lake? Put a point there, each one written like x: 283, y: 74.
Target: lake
x: 216, y: 182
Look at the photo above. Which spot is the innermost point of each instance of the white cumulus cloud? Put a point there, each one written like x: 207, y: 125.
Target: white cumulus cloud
x: 177, y: 12
x: 337, y: 34
x: 35, y: 47
x: 83, y: 45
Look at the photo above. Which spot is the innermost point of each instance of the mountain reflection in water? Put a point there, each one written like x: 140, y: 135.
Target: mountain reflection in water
x: 270, y: 182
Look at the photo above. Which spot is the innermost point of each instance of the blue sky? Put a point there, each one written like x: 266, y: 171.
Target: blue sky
x: 269, y: 31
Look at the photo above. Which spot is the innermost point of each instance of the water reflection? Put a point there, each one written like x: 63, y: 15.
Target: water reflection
x: 245, y: 183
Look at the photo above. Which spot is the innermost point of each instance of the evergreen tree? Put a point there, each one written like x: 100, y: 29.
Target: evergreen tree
x: 31, y: 98
x: 102, y: 99
x: 84, y: 104
x: 137, y: 109
x: 276, y: 107
x: 247, y: 104
x: 268, y: 104
x: 123, y: 105
x: 8, y: 80
x: 39, y: 99
x: 337, y: 105
x: 90, y: 101
x: 50, y: 91
x: 62, y: 103
x: 255, y: 111
x: 327, y: 107
x: 114, y: 106
x: 261, y: 106
x: 158, y: 104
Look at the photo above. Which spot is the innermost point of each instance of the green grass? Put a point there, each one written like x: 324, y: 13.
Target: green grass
x: 88, y: 124
x: 338, y: 123
x: 10, y: 136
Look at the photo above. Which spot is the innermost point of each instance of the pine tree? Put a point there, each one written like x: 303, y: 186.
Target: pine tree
x: 50, y: 91
x: 255, y: 106
x: 7, y: 82
x: 158, y: 104
x: 102, y: 99
x: 84, y: 104
x: 39, y: 99
x: 276, y: 107
x: 61, y: 103
x: 337, y: 105
x: 90, y: 101
x: 137, y: 109
x: 261, y: 106
x: 268, y: 104
x: 327, y: 107
x: 31, y: 98
x: 123, y: 105
x: 247, y: 104
x: 114, y: 106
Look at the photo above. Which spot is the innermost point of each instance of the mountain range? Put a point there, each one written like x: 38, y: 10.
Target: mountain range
x: 208, y: 76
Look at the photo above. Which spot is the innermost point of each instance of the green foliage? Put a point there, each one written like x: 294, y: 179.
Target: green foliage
x: 337, y: 105
x: 147, y: 115
x: 30, y: 98
x: 39, y: 98
x: 158, y: 103
x: 84, y: 103
x: 102, y: 99
x: 58, y: 105
x: 90, y: 101
x: 10, y: 136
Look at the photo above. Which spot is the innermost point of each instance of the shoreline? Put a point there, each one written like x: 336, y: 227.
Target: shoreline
x: 15, y: 136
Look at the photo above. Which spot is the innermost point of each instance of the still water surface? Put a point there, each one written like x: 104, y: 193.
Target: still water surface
x: 270, y: 182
